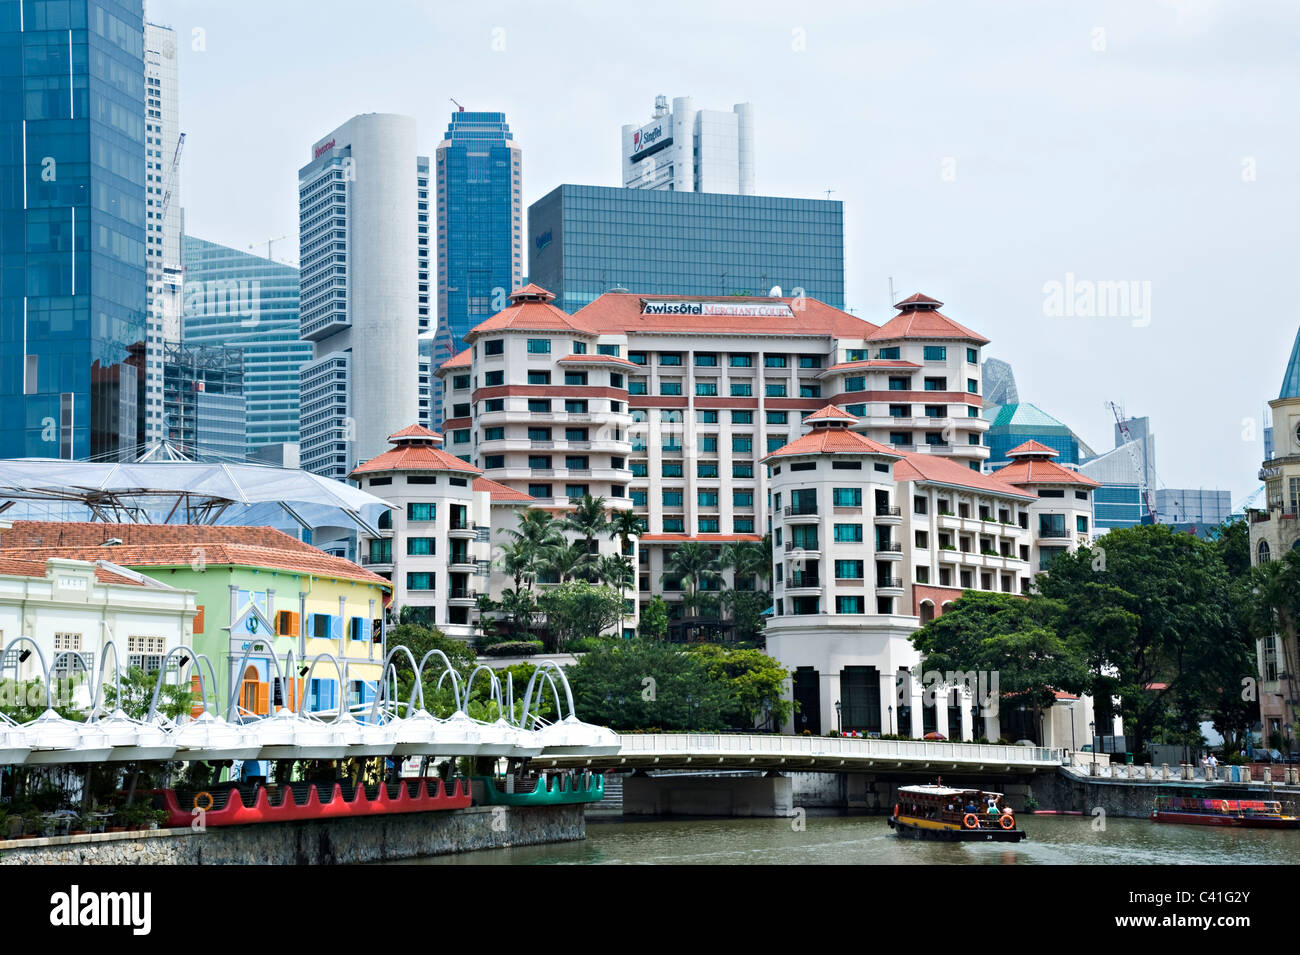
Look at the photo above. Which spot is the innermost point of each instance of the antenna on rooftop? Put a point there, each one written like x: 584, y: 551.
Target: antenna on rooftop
x: 892, y: 300
x: 458, y: 106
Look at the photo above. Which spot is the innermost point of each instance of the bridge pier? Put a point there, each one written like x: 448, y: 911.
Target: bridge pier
x: 692, y: 795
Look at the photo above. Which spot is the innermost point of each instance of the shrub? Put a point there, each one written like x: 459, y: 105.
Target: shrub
x: 514, y: 648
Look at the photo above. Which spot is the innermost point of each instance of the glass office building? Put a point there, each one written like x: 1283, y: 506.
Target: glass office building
x: 586, y: 240
x: 72, y: 227
x: 1012, y: 425
x: 248, y: 302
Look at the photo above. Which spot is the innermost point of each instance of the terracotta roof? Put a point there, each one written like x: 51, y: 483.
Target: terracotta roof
x: 831, y: 412
x: 35, y: 567
x: 175, y: 545
x: 463, y: 359
x: 1041, y: 471
x: 500, y: 492
x: 620, y: 313
x: 919, y: 318
x: 415, y: 457
x: 415, y: 431
x: 600, y: 359
x: 833, y: 441
x: 872, y: 363
x: 530, y: 309
x: 943, y: 470
x: 700, y: 538
x: 1033, y: 448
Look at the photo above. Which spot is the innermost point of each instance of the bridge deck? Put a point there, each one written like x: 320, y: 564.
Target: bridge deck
x: 816, y: 753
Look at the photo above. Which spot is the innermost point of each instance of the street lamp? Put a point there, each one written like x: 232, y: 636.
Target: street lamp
x: 838, y: 729
x: 891, y: 718
x: 1092, y: 732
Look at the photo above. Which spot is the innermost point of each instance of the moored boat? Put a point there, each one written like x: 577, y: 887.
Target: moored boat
x: 1238, y: 813
x: 953, y: 815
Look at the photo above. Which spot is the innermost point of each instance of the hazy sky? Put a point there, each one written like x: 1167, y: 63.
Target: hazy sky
x: 982, y: 151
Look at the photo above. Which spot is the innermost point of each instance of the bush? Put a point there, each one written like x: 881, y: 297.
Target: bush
x: 514, y: 648
x: 591, y: 644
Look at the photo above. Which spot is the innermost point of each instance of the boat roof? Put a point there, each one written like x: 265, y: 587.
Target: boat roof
x: 943, y: 791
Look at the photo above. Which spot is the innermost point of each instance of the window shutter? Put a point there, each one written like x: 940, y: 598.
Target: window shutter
x: 336, y: 627
x: 195, y: 689
x: 262, y: 705
x: 295, y: 623
x: 198, y: 620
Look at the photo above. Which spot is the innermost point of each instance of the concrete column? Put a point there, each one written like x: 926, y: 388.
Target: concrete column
x: 1268, y: 776
x: 1164, y: 770
x: 888, y: 709
x: 967, y: 724
x: 918, y: 713
x: 830, y: 693
x: 941, y: 714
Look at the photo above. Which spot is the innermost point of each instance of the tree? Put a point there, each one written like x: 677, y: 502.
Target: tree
x: 654, y: 620
x: 570, y: 561
x: 579, y: 608
x: 755, y: 683
x: 1271, y: 611
x: 588, y: 520
x: 1012, y: 636
x: 520, y: 607
x: 693, y: 564
x: 174, y: 699
x: 625, y: 525
x: 615, y: 570
x: 637, y: 684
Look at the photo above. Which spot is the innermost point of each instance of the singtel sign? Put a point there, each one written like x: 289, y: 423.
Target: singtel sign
x: 731, y: 309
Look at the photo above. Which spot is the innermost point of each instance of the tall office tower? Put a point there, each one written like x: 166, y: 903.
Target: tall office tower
x: 999, y: 383
x: 72, y: 200
x: 588, y: 240
x: 691, y: 150
x: 430, y: 387
x: 359, y: 263
x: 480, y: 225
x: 248, y: 302
x: 203, y: 393
x: 162, y: 216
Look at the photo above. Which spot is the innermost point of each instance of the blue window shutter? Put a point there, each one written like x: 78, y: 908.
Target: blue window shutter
x: 336, y: 627
x: 365, y: 628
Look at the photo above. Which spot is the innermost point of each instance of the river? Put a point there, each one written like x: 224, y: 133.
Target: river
x: 856, y: 840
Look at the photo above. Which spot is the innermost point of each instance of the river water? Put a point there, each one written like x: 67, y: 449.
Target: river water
x: 856, y: 840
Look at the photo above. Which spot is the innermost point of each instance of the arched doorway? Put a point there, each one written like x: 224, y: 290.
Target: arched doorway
x: 927, y: 611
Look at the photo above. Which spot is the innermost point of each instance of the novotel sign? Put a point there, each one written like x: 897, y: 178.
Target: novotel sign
x: 729, y: 309
x: 321, y: 149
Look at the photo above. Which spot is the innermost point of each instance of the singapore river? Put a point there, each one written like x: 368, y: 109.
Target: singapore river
x: 855, y: 840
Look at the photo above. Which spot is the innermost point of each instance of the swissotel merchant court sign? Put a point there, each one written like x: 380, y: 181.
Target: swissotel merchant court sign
x: 730, y: 309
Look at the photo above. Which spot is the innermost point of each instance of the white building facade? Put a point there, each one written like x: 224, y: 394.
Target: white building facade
x: 686, y: 149
x: 359, y: 297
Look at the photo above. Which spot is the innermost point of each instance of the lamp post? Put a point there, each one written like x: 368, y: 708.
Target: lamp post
x: 838, y: 728
x: 1092, y: 732
x: 1074, y: 743
x: 891, y: 718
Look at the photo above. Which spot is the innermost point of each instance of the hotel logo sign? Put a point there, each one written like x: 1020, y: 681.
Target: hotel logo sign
x: 727, y: 309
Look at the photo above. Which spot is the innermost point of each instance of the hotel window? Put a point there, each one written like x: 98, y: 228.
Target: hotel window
x: 847, y: 497
x: 674, y: 525
x: 420, y: 546
x: 1081, y: 524
x: 615, y: 380
x: 576, y: 406
x: 639, y: 498
x: 922, y: 539
x: 539, y: 490
x: 778, y: 417
x: 421, y: 581
x: 539, y: 405
x: 851, y: 604
x: 706, y: 389
x: 706, y: 417
x: 579, y: 462
x: 494, y: 461
x: 708, y: 444
x: 742, y: 470
x: 855, y: 383
x: 670, y: 387
x: 774, y: 361
x: 775, y: 391
x: 575, y: 492
x: 539, y: 462
x: 972, y: 356
x: 580, y: 348
x: 707, y: 498
x: 935, y: 353
x: 810, y: 361
x: 575, y: 377
x: 742, y: 444
x: 897, y: 383
x: 848, y: 533
x: 575, y: 434
x: 672, y: 498
x: 494, y: 404
x: 670, y: 358
x: 972, y: 411
x: 636, y: 357
x: 539, y: 346
x: 776, y: 441
x: 889, y: 354
x: 539, y: 434
x: 742, y: 525
x: 742, y: 498
x: 708, y: 525
x: 810, y: 391
x: 848, y: 570
x: 460, y: 436
x: 671, y: 469
x: 856, y: 410
x: 742, y: 417
x: 936, y: 384
x: 421, y: 511
x: 900, y: 439
x: 460, y: 411
x: 740, y: 361
x: 741, y: 390
x: 637, y: 388
x: 936, y: 411
x: 706, y: 359
x: 855, y: 354
x: 494, y: 434
x: 972, y: 386
x: 706, y: 470
x: 460, y: 382
x: 539, y: 377
x: 640, y: 469
x: 607, y: 350
x: 670, y: 416
x: 496, y: 346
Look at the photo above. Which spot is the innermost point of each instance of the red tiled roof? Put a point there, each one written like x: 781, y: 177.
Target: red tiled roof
x: 415, y: 457
x: 701, y: 538
x: 924, y: 321
x: 530, y: 309
x: 620, y: 313
x: 599, y: 359
x: 463, y: 359
x: 35, y: 567
x: 415, y: 431
x: 500, y: 492
x: 942, y: 470
x: 833, y: 441
x: 175, y: 545
x: 1038, y: 471
x: 872, y: 363
x: 1032, y: 447
x: 832, y: 413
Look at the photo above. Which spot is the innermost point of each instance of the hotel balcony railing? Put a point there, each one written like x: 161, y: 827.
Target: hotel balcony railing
x: 1054, y: 533
x: 461, y: 593
x: 792, y: 545
x: 803, y: 580
x: 460, y: 524
x: 796, y: 510
x: 890, y: 547
x: 889, y: 582
x: 884, y: 510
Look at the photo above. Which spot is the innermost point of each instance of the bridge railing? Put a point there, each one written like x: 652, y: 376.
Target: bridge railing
x: 720, y: 744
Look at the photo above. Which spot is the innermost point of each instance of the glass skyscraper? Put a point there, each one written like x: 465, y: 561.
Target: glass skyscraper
x: 246, y: 301
x: 586, y: 240
x: 72, y: 227
x: 480, y: 227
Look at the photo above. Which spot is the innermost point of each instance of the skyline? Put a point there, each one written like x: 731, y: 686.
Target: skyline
x: 1128, y: 158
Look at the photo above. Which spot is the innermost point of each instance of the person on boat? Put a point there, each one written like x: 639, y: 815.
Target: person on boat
x: 993, y: 806
x: 970, y: 805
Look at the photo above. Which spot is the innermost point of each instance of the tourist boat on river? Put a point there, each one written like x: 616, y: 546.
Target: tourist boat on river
x: 953, y: 815
x: 1242, y: 813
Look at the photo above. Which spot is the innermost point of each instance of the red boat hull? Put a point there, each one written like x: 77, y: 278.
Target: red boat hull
x: 1237, y: 822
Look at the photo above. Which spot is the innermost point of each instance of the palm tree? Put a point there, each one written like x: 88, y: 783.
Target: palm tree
x: 625, y: 525
x: 693, y: 564
x: 616, y: 571
x: 1275, y: 610
x: 588, y: 519
x: 519, y: 560
x: 569, y: 561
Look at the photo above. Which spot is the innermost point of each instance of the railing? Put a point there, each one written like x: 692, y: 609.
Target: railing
x: 889, y: 547
x: 1053, y: 533
x: 797, y: 510
x: 461, y: 593
x: 884, y: 510
x: 791, y: 545
x: 895, y: 582
x: 741, y: 744
x: 803, y: 580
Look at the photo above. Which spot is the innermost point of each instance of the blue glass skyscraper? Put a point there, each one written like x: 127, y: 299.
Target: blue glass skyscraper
x: 72, y: 227
x: 480, y: 227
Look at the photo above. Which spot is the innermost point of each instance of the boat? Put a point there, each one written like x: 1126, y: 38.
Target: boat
x: 945, y: 814
x: 1239, y: 813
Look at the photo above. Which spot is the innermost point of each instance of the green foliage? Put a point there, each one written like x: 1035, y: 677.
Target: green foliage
x: 578, y: 608
x: 754, y: 681
x: 174, y: 699
x: 588, y: 644
x: 654, y: 620
x: 25, y: 700
x: 640, y: 685
x: 513, y: 648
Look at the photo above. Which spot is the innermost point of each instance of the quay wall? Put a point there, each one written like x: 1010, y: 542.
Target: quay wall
x: 318, y: 842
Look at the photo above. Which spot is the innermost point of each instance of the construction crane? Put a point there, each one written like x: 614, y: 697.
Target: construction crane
x: 458, y: 106
x: 171, y: 176
x: 270, y: 242
x: 1139, y: 466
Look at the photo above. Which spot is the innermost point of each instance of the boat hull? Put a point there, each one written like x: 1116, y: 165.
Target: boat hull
x: 940, y: 832
x: 1231, y: 822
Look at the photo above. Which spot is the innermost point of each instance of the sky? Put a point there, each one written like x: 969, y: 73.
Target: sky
x: 1004, y: 157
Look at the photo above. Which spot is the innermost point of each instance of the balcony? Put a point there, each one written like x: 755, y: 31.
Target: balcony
x: 798, y: 580
x: 1053, y: 533
x: 886, y: 514
x: 889, y: 583
x: 800, y: 510
x: 890, y: 550
x: 463, y: 529
x: 792, y: 546
x: 462, y: 595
